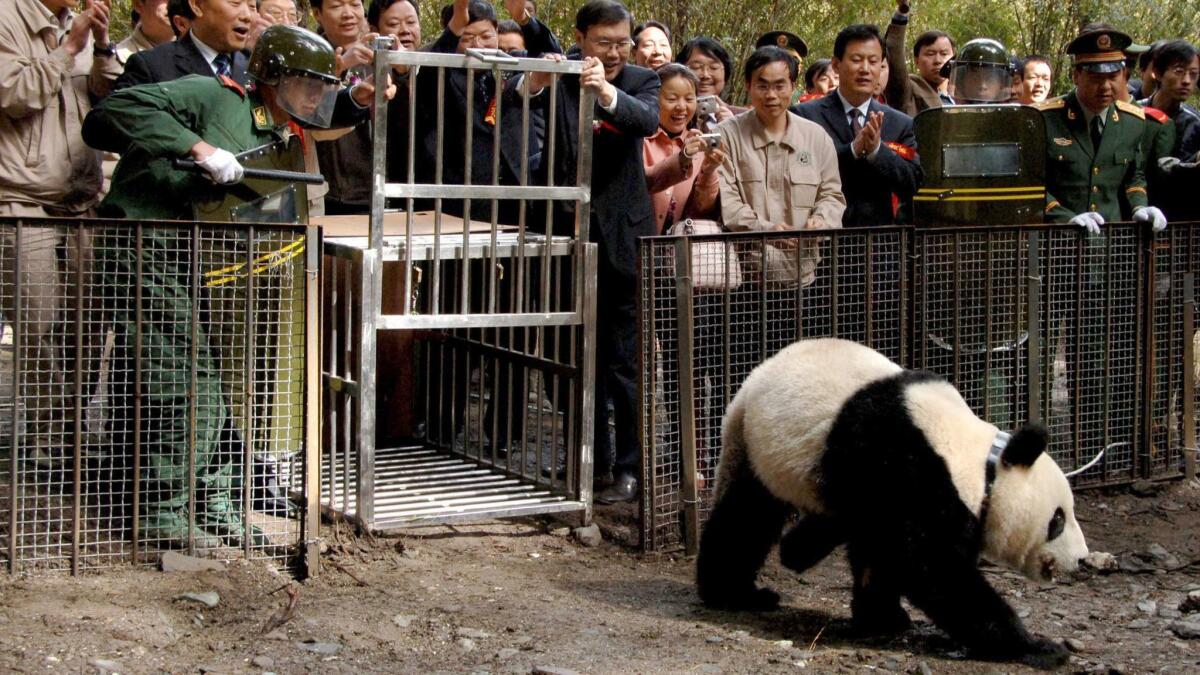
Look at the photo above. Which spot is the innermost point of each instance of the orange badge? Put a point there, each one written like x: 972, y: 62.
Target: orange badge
x: 904, y: 151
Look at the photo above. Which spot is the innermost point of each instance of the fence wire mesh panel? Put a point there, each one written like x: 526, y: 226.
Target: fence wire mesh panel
x: 153, y: 392
x: 1175, y: 257
x: 1094, y: 336
x: 733, y: 301
x: 970, y: 316
x: 1092, y: 349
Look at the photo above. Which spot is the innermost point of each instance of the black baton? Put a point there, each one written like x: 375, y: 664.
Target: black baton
x: 250, y: 172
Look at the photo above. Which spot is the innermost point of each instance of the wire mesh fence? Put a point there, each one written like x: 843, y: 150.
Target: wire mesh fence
x: 1092, y: 336
x: 714, y: 307
x: 153, y: 394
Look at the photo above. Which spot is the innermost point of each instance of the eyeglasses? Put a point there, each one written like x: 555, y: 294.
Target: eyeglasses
x: 705, y: 69
x: 283, y: 16
x: 777, y: 87
x: 1191, y: 73
x: 621, y: 46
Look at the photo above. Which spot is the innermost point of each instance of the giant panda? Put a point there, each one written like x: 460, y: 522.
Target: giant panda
x: 896, y: 466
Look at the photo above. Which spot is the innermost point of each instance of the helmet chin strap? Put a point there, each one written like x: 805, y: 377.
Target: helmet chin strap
x: 993, y: 460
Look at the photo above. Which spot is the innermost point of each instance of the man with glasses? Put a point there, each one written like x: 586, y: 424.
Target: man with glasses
x: 626, y: 112
x: 1176, y: 68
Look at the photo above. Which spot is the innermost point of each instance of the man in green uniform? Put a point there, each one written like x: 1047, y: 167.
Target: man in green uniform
x: 1095, y: 167
x: 209, y: 120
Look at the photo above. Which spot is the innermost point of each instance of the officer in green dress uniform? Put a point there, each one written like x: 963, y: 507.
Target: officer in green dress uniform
x: 1095, y: 166
x: 209, y: 120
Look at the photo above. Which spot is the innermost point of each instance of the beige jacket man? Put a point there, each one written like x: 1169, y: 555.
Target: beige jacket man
x: 45, y: 170
x: 769, y: 185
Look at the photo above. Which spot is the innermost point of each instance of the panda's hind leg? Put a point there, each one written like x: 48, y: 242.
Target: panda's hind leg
x: 809, y: 541
x: 875, y: 608
x: 744, y: 524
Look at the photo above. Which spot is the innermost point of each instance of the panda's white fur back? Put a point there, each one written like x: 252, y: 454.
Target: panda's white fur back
x: 790, y: 402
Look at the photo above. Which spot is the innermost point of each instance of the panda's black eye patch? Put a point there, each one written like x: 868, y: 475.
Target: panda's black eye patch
x: 1057, y: 523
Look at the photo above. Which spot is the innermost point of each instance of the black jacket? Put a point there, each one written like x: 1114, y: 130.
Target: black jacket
x: 455, y: 116
x: 870, y: 183
x: 621, y: 210
x: 171, y: 61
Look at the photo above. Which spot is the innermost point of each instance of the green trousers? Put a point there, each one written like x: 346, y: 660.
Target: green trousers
x: 167, y: 346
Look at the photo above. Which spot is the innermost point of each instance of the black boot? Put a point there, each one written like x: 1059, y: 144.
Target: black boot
x: 623, y: 489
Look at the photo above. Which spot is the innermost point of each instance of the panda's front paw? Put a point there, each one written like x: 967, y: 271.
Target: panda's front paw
x: 1045, y: 654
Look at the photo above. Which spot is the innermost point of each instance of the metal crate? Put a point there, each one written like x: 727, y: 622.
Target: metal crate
x: 458, y: 355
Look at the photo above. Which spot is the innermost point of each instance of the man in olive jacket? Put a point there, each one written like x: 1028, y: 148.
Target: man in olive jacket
x: 1095, y: 168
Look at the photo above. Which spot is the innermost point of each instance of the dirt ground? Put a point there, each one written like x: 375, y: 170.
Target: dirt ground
x: 521, y: 597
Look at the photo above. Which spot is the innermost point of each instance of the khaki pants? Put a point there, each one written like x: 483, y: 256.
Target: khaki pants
x: 48, y: 258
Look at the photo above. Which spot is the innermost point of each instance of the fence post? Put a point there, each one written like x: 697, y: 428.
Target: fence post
x: 311, y: 522
x: 15, y: 430
x: 1189, y: 376
x: 687, y: 412
x: 1146, y: 279
x: 1033, y: 293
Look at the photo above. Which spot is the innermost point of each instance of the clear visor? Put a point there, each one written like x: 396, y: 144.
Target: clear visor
x: 981, y: 83
x: 307, y: 99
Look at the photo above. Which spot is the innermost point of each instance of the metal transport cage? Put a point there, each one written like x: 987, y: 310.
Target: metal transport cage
x: 97, y: 360
x: 459, y: 324
x: 1094, y: 336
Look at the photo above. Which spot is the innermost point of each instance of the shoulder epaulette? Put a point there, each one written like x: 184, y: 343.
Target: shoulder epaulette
x: 1051, y: 104
x: 1155, y: 113
x: 1132, y: 109
x: 228, y: 83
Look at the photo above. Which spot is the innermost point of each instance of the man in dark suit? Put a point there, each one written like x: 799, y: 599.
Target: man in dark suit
x: 212, y: 47
x: 626, y: 112
x: 876, y: 147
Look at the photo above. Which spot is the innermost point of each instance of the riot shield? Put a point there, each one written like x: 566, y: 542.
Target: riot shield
x: 983, y: 164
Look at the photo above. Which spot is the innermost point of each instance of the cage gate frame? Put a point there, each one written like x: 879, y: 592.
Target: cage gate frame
x: 426, y: 480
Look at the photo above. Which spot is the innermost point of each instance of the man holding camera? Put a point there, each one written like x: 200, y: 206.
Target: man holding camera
x: 876, y: 147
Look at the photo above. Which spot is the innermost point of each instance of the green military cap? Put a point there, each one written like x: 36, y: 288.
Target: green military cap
x: 788, y: 42
x: 1101, y: 50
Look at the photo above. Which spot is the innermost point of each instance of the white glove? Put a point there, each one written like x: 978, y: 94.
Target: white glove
x: 222, y: 167
x: 1167, y: 164
x: 1152, y: 215
x: 1089, y: 220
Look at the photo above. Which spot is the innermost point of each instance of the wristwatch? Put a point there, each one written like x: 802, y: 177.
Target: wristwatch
x: 109, y: 49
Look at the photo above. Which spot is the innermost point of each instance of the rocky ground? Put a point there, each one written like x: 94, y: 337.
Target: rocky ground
x: 529, y: 596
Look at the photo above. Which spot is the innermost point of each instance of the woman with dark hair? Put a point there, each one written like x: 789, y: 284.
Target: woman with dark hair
x: 710, y: 62
x: 680, y: 187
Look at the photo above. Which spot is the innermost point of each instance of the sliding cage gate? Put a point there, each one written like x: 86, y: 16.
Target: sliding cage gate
x: 154, y: 383
x: 1094, y: 336
x: 458, y: 336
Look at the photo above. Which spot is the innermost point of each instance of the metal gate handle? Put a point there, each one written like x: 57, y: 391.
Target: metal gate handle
x: 492, y: 56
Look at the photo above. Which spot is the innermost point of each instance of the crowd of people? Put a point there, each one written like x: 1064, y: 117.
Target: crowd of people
x: 824, y: 146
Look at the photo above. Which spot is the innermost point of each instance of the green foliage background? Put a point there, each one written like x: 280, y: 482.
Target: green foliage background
x: 1024, y: 26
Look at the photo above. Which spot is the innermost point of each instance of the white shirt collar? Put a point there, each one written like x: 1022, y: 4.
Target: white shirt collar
x: 847, y: 106
x: 207, y: 52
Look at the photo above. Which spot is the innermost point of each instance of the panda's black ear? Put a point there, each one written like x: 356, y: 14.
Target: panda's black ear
x: 1026, y: 445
